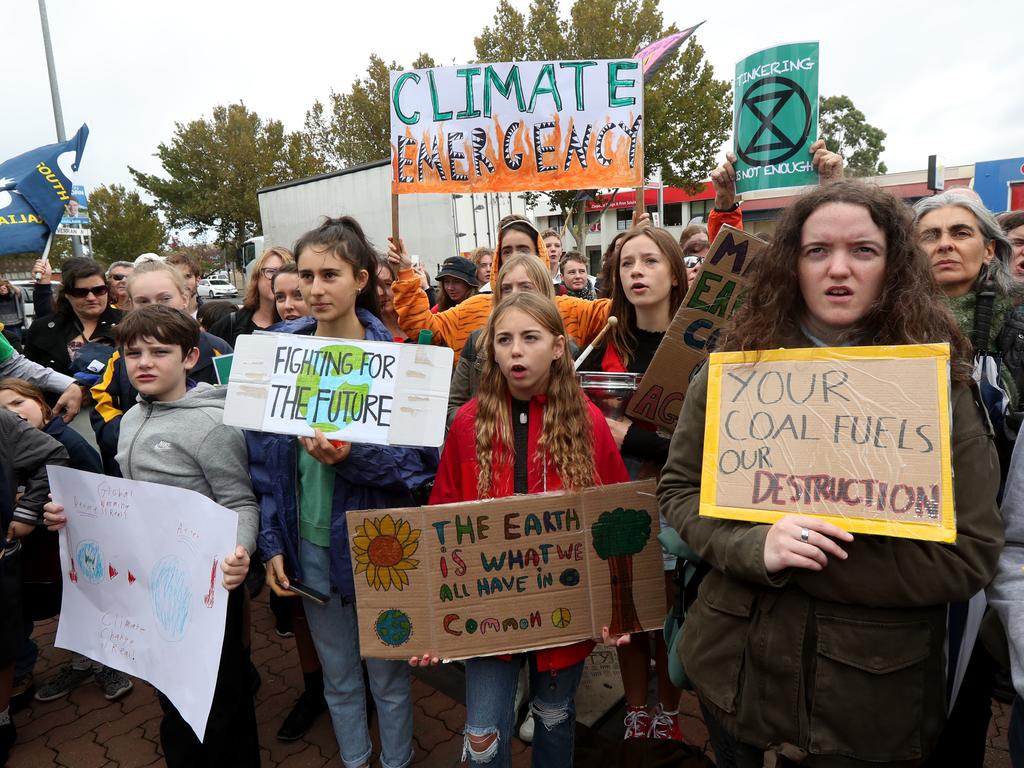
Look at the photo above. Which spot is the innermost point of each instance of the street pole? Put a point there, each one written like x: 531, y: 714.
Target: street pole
x: 58, y: 114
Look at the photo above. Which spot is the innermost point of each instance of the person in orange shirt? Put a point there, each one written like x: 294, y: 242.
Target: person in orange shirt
x: 517, y: 235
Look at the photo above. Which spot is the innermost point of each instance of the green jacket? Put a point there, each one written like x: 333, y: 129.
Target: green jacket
x: 962, y: 308
x: 847, y: 663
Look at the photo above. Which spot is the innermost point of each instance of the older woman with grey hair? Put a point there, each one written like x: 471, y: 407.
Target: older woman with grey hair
x: 970, y: 258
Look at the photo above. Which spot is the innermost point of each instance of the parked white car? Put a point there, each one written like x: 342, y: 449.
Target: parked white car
x: 215, y: 288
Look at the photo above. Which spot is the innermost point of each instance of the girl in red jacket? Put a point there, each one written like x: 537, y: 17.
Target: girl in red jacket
x: 528, y: 430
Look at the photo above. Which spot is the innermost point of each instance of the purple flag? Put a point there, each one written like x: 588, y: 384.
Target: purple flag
x: 655, y: 54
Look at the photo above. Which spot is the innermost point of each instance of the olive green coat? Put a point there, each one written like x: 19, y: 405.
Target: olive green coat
x: 846, y: 664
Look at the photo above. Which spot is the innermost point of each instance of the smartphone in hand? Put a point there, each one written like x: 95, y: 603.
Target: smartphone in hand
x: 301, y: 589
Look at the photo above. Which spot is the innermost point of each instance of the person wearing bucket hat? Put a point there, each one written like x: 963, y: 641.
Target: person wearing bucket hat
x: 457, y: 277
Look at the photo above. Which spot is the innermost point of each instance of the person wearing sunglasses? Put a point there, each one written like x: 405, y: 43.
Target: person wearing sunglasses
x: 117, y: 281
x: 82, y: 314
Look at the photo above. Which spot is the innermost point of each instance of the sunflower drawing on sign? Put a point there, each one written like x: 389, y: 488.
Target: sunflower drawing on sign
x: 383, y: 548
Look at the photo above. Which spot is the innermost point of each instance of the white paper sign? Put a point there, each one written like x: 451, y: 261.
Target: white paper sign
x: 359, y: 391
x: 142, y: 582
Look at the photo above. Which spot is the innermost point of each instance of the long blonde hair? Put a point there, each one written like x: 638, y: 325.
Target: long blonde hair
x: 567, y: 438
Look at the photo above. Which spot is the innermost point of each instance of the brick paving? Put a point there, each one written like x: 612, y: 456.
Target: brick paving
x: 83, y: 730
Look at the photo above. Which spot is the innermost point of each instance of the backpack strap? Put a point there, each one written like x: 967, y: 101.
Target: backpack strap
x: 984, y: 301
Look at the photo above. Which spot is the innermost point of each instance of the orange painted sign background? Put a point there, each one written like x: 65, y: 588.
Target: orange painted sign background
x: 517, y: 126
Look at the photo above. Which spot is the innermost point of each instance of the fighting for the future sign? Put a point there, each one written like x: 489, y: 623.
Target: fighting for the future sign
x: 775, y: 117
x: 528, y: 125
x: 358, y: 391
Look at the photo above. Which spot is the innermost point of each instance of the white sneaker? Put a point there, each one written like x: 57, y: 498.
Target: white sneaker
x: 526, y: 729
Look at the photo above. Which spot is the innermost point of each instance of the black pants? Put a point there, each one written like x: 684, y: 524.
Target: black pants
x: 231, y: 737
x: 965, y: 734
x: 730, y: 752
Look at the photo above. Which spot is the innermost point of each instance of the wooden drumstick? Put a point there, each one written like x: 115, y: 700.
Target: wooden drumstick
x: 612, y: 320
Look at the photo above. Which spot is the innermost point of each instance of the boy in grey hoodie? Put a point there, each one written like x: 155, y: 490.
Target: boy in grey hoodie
x: 176, y: 436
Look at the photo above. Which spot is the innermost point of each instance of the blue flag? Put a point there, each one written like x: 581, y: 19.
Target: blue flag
x: 34, y: 190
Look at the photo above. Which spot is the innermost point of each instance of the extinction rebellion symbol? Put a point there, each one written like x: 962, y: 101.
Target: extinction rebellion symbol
x: 783, y: 114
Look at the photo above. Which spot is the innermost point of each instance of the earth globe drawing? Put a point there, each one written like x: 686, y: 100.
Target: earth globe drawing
x: 393, y: 627
x: 348, y: 391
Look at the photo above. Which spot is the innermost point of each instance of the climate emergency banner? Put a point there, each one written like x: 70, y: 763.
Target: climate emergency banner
x: 775, y: 117
x: 532, y: 125
x: 859, y: 436
x: 507, y: 575
x: 712, y: 298
x: 358, y: 391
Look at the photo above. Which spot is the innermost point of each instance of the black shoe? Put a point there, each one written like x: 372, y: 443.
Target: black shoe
x: 8, y: 735
x: 305, y: 712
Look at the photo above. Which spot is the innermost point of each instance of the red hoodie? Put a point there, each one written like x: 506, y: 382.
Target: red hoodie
x: 457, y: 475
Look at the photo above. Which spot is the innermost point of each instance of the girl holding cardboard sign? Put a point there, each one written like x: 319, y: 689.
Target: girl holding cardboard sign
x: 528, y: 430
x: 305, y: 488
x: 650, y: 285
x: 805, y: 642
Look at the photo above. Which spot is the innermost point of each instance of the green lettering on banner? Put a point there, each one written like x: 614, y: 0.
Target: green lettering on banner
x: 614, y: 83
x: 399, y: 83
x: 547, y: 72
x: 468, y: 73
x: 578, y: 66
x: 504, y: 87
x: 438, y: 114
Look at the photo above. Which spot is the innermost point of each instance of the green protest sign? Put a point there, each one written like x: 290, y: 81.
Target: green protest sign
x: 775, y: 117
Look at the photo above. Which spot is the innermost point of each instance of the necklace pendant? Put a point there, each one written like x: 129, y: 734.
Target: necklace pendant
x: 522, y: 418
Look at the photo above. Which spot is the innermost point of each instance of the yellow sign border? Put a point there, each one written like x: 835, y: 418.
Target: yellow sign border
x: 946, y: 532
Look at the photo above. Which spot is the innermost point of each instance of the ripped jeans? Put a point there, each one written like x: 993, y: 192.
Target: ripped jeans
x: 490, y: 694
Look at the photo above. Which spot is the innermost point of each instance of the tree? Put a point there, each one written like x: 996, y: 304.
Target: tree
x: 356, y: 128
x: 214, y: 168
x: 847, y: 132
x: 122, y: 225
x: 617, y: 536
x: 687, y: 112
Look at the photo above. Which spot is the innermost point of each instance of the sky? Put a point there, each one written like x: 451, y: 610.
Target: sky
x: 938, y: 78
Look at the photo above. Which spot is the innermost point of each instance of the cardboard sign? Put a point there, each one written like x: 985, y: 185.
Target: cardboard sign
x: 710, y: 301
x: 359, y: 391
x: 859, y: 436
x: 775, y: 117
x: 529, y: 125
x: 507, y: 575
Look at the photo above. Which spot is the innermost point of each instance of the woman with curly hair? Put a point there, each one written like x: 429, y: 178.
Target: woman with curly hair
x: 528, y: 430
x: 804, y: 644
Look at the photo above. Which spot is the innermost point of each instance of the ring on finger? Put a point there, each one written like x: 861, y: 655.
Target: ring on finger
x: 805, y: 534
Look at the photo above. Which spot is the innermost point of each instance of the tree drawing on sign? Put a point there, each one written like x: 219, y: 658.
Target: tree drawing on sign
x: 382, y: 549
x: 617, y: 536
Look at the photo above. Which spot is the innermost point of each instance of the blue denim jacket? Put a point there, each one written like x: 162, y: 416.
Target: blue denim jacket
x: 372, y: 477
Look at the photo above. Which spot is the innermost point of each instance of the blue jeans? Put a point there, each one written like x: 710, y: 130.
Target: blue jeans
x: 336, y: 636
x: 490, y: 694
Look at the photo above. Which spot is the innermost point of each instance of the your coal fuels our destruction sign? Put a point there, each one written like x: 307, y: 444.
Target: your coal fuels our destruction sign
x: 856, y: 435
x: 775, y: 117
x: 531, y: 125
